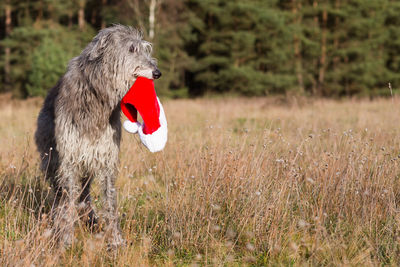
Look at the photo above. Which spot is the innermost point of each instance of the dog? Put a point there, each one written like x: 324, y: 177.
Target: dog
x: 79, y: 129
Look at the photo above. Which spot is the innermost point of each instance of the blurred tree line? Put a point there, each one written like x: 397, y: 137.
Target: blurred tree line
x: 252, y: 47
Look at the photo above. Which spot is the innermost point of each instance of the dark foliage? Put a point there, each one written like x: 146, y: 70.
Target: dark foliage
x: 255, y: 47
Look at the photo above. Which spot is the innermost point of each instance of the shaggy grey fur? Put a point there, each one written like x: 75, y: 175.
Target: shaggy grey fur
x: 79, y: 130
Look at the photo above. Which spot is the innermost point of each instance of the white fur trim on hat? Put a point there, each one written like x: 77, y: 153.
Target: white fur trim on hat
x: 131, y: 127
x: 156, y: 141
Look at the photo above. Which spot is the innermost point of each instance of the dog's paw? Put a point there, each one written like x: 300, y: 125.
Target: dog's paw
x: 115, y: 241
x: 67, y: 239
x: 63, y: 234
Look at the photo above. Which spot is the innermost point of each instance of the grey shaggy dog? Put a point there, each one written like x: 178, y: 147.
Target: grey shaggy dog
x: 79, y: 129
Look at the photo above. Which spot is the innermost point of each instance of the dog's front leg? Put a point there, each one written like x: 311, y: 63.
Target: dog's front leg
x: 85, y: 204
x: 113, y: 232
x: 65, y: 214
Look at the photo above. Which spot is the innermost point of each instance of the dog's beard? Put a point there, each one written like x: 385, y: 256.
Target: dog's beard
x: 146, y: 73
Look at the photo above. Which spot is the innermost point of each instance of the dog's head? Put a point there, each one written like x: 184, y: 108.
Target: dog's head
x: 120, y: 55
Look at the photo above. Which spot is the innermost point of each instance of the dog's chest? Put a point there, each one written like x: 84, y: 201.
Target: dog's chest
x: 88, y: 150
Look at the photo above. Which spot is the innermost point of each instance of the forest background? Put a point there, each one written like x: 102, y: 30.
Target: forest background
x: 317, y: 48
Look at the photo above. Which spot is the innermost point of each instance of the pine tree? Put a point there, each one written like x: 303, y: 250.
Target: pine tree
x: 172, y: 34
x: 240, y: 47
x: 360, y: 67
x: 392, y: 43
x: 31, y: 53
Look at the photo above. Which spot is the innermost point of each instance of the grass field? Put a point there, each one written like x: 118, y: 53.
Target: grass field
x: 240, y: 182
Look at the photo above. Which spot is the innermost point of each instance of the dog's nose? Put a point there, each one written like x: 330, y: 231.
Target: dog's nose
x: 156, y: 74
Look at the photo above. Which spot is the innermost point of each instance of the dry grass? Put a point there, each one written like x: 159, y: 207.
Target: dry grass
x: 241, y: 181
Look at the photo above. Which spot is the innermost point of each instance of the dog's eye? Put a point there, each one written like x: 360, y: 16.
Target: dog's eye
x: 132, y: 49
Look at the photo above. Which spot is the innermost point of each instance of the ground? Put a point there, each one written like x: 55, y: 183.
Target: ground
x: 240, y: 182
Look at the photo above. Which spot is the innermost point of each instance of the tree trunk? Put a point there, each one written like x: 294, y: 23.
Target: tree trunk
x: 103, y: 21
x: 93, y: 16
x: 8, y: 17
x: 81, y: 14
x: 315, y: 61
x: 7, y: 50
x: 152, y: 9
x: 40, y: 12
x: 321, y: 75
x: 315, y: 6
x: 70, y: 15
x: 297, y: 46
x: 336, y: 36
x: 50, y: 10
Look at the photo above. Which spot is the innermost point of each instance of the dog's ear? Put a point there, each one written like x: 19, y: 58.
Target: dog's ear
x: 100, y: 42
x: 134, y: 47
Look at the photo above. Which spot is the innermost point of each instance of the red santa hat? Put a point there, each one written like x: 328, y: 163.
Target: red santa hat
x: 142, y: 98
